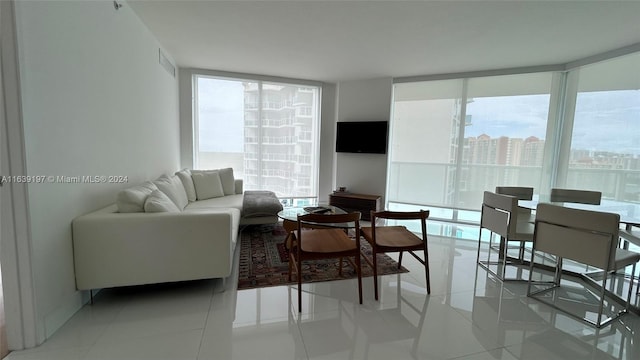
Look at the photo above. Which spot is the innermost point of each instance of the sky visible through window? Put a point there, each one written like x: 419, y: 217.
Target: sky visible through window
x: 604, y: 120
x: 221, y: 115
x: 510, y: 116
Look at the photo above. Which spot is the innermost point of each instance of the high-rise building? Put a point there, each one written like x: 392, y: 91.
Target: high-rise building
x: 279, y: 136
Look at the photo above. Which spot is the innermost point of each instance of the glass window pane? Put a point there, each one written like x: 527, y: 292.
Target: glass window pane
x: 452, y: 140
x: 423, y: 142
x: 605, y: 143
x: 506, y: 122
x: 268, y: 132
x: 220, y: 124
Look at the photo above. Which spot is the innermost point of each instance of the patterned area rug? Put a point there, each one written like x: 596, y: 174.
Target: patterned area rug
x: 264, y: 261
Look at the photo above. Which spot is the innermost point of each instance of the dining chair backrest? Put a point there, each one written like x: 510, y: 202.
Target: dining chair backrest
x: 421, y: 215
x: 499, y: 213
x: 576, y: 196
x: 522, y: 193
x: 585, y: 236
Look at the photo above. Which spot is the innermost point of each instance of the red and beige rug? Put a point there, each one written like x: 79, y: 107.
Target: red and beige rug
x: 264, y: 261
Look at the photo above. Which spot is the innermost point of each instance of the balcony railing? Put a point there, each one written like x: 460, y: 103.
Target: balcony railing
x: 436, y: 184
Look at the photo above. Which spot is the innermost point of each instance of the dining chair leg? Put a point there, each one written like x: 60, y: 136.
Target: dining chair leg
x: 290, y: 267
x: 375, y: 274
x: 340, y: 268
x: 426, y: 269
x: 633, y: 272
x: 359, y: 271
x: 299, y: 262
x: 505, y: 247
x: 400, y: 259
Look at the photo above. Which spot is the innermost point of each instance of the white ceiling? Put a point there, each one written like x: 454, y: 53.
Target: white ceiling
x: 349, y: 40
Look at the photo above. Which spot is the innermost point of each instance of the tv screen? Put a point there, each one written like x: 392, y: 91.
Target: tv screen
x: 366, y: 137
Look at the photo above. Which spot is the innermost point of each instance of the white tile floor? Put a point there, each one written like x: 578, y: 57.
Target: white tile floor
x: 467, y: 316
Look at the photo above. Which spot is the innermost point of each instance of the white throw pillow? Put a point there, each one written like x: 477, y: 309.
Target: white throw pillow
x: 208, y: 185
x: 226, y: 178
x: 173, y: 188
x: 158, y: 201
x: 133, y: 198
x: 228, y: 182
x: 187, y: 182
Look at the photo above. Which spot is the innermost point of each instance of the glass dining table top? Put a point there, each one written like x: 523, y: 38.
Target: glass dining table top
x: 629, y: 214
x: 291, y: 214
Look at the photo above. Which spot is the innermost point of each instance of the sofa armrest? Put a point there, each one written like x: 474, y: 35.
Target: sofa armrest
x: 121, y: 249
x: 238, y: 186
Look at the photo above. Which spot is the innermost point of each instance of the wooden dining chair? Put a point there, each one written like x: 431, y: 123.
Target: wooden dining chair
x: 576, y: 196
x: 324, y: 236
x: 500, y: 215
x: 587, y: 237
x: 386, y: 239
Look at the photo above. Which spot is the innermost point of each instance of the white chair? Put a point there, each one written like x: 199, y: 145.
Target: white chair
x: 576, y: 196
x: 500, y: 216
x: 522, y: 193
x: 587, y: 237
x: 631, y: 234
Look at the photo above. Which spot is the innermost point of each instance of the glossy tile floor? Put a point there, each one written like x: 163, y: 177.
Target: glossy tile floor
x: 467, y: 316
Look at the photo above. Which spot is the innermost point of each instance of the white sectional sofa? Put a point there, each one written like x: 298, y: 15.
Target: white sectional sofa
x: 176, y: 228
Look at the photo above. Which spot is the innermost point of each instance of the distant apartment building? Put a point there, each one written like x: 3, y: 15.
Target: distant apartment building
x: 278, y: 139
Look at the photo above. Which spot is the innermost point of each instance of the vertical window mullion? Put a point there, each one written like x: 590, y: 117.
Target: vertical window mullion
x: 460, y: 149
x: 564, y: 131
x: 196, y: 120
x: 259, y: 136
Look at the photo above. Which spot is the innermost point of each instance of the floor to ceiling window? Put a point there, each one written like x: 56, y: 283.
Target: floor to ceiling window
x: 453, y: 139
x: 604, y: 140
x: 268, y: 132
x: 579, y: 128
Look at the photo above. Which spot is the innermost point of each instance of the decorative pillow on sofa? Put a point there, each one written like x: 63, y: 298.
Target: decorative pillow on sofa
x: 158, y: 201
x: 132, y: 199
x: 208, y: 185
x: 226, y: 177
x: 187, y: 182
x: 173, y: 188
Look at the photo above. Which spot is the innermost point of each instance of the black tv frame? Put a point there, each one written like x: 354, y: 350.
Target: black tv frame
x: 362, y: 137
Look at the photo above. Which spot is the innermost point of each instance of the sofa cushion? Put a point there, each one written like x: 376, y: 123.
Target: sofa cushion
x: 228, y: 181
x: 228, y: 201
x: 208, y: 185
x: 226, y: 178
x: 158, y: 201
x: 187, y: 182
x: 133, y: 198
x: 173, y: 188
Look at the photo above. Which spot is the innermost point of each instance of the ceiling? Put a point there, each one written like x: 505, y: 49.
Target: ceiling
x: 334, y: 41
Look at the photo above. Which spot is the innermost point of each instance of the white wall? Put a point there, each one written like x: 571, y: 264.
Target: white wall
x: 365, y: 100
x: 326, y: 172
x: 95, y: 102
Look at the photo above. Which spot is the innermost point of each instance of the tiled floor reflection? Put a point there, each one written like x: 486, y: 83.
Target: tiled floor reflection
x: 468, y: 315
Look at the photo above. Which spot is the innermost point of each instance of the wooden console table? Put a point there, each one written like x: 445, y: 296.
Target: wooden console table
x: 356, y: 202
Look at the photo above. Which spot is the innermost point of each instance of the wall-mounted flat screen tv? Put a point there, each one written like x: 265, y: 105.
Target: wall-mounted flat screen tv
x: 365, y: 137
